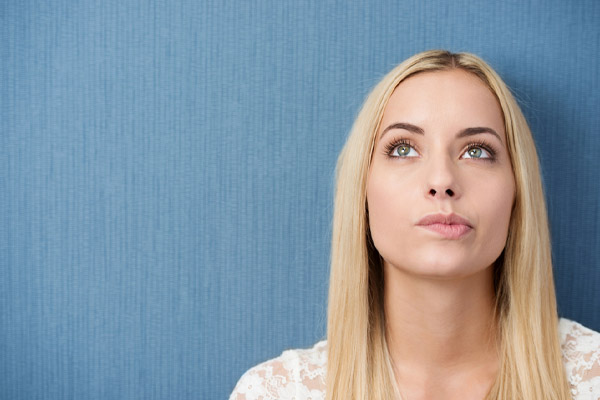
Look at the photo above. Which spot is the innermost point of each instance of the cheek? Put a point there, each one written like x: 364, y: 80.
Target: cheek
x: 497, y: 198
x: 389, y: 203
x: 499, y: 194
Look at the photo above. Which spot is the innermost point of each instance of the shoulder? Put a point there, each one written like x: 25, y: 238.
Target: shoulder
x: 298, y: 374
x: 581, y: 354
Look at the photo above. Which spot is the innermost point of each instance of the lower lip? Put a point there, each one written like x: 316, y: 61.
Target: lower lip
x: 455, y: 231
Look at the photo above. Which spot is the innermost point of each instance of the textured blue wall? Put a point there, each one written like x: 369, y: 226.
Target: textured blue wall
x: 167, y: 169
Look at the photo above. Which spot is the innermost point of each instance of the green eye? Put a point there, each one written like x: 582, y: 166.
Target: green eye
x: 403, y: 150
x: 475, y: 152
x: 400, y: 149
x: 479, y: 152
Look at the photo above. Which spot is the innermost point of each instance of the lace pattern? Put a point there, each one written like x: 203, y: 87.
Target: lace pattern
x: 581, y: 354
x: 296, y: 374
x: 300, y: 374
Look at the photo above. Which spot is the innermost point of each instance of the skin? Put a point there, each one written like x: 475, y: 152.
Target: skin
x: 439, y: 293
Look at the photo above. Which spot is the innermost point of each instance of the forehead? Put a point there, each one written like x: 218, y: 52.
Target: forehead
x: 455, y: 98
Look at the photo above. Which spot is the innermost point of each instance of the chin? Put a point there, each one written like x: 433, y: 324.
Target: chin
x: 441, y: 268
x: 446, y: 272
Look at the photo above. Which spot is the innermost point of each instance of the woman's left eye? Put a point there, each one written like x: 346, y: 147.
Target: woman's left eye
x: 476, y: 152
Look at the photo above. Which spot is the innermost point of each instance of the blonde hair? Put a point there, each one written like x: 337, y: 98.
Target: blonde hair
x: 359, y: 366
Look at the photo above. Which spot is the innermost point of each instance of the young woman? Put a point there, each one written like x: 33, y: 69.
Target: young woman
x: 441, y: 277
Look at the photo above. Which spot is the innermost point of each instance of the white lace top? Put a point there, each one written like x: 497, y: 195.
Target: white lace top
x: 300, y: 374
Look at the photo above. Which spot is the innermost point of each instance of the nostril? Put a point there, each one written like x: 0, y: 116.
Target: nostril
x: 432, y: 192
x: 449, y: 192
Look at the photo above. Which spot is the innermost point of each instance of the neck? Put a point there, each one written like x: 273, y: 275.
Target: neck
x: 437, y: 329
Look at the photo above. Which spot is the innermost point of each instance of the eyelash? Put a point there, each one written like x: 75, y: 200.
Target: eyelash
x: 485, y: 146
x: 390, y: 147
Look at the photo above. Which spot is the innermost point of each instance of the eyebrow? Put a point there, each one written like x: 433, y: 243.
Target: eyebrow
x: 464, y: 133
x: 476, y: 130
x: 403, y: 125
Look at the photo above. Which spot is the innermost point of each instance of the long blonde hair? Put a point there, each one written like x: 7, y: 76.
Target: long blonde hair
x: 358, y: 365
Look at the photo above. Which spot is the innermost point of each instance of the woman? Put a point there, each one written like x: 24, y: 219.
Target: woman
x: 441, y: 277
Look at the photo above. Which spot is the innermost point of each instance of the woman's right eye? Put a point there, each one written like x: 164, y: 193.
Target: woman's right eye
x: 403, y: 150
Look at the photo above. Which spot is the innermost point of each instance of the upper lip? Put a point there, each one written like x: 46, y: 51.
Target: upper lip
x: 447, y: 219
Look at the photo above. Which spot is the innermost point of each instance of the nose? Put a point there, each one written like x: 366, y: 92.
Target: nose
x: 448, y: 192
x: 442, y: 180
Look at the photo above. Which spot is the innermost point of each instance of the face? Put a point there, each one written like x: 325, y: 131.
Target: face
x: 441, y: 187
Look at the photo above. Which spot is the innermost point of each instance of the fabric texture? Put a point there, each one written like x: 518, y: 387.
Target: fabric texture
x: 300, y: 374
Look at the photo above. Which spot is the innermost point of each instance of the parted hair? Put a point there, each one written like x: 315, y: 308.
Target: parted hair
x: 359, y: 366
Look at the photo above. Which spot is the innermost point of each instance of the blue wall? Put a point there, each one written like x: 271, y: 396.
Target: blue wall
x: 167, y: 171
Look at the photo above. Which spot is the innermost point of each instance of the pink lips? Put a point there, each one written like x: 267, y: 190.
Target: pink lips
x: 449, y: 226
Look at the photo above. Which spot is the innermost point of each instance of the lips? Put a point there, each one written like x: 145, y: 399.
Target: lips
x: 450, y: 226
